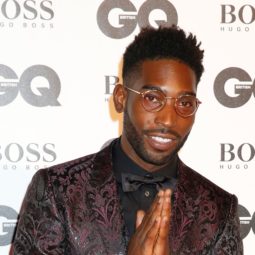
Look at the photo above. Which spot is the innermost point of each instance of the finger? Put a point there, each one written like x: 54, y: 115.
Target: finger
x: 164, y: 228
x: 166, y: 215
x: 156, y: 206
x: 160, y: 207
x: 156, y: 201
x: 168, y: 192
x: 166, y: 208
x: 162, y: 243
x: 147, y: 226
x: 152, y: 233
x: 144, y: 239
x: 139, y: 218
x: 154, y: 211
x: 150, y: 217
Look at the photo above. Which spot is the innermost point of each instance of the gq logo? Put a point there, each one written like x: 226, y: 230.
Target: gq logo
x: 8, y: 219
x: 247, y: 222
x: 127, y: 22
x: 36, y: 93
x: 233, y: 87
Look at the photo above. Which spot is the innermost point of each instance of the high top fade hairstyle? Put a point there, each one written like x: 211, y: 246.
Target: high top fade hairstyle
x: 162, y: 43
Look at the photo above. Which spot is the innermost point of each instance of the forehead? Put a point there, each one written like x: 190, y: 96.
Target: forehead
x: 172, y: 76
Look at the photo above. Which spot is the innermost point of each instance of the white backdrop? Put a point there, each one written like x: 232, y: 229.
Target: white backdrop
x: 58, y: 65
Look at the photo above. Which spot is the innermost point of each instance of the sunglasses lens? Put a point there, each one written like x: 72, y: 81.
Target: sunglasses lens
x: 186, y: 105
x: 153, y: 100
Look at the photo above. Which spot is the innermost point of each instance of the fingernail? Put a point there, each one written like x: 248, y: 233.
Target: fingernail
x: 158, y: 219
x: 160, y: 200
x: 160, y: 193
x: 169, y: 191
x: 167, y: 199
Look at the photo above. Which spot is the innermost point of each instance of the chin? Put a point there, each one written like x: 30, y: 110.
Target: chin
x: 159, y: 159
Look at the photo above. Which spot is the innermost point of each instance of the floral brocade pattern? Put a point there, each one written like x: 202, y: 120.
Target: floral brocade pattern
x: 64, y: 212
x: 74, y: 209
x: 204, y: 217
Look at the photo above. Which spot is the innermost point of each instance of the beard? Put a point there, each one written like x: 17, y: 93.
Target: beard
x: 137, y: 143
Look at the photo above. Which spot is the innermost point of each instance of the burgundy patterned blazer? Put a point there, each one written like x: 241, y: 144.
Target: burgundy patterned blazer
x: 74, y: 209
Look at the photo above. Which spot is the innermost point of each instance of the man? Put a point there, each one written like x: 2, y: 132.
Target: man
x: 136, y: 196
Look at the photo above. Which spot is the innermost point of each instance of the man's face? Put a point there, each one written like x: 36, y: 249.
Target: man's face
x: 151, y: 139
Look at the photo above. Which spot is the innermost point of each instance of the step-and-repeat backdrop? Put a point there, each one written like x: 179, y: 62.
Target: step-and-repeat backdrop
x: 59, y: 63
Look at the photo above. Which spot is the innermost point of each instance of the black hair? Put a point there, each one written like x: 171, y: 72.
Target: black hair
x: 163, y: 43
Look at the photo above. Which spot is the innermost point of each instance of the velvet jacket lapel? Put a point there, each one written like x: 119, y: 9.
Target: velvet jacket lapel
x: 184, y: 209
x: 109, y: 215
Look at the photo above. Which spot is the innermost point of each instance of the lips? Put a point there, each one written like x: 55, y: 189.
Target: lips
x: 161, y: 139
x: 161, y: 143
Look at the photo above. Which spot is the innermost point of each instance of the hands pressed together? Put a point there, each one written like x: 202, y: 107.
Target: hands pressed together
x: 152, y: 228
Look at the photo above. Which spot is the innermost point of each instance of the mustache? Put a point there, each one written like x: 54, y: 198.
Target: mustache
x: 162, y: 131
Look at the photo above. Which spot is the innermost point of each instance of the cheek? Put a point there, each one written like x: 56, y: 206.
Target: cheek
x: 140, y: 118
x: 185, y: 125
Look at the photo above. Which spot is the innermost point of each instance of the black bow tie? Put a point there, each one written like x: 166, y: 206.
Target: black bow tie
x: 131, y: 182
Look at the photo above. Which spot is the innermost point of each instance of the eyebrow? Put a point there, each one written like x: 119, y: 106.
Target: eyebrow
x: 153, y: 87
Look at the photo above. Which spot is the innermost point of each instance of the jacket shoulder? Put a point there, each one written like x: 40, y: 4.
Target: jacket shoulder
x: 72, y: 166
x: 195, y: 179
x: 205, y: 192
x: 47, y: 179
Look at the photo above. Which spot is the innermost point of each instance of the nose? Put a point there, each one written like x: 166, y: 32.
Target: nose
x: 167, y: 116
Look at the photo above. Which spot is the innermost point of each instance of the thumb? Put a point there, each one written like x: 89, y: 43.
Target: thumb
x: 139, y: 217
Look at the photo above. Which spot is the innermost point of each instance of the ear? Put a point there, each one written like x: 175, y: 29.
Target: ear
x: 119, y: 98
